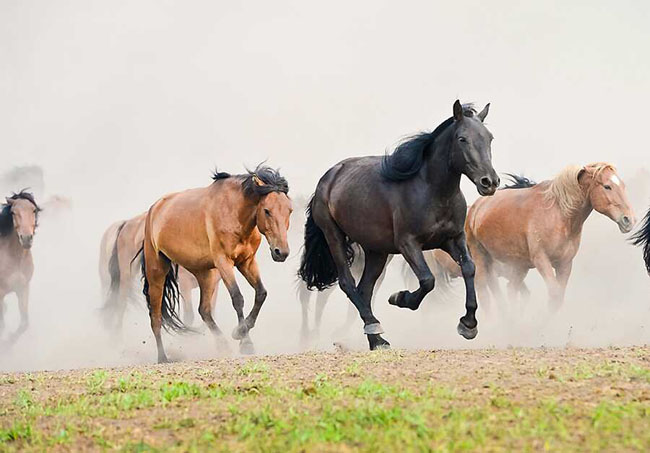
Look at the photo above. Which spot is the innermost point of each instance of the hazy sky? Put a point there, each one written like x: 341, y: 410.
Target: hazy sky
x: 122, y: 101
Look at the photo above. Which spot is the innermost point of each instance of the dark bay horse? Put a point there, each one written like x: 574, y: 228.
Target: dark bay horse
x: 642, y: 239
x: 18, y: 221
x: 118, y: 272
x: 402, y: 203
x: 540, y: 225
x: 210, y: 231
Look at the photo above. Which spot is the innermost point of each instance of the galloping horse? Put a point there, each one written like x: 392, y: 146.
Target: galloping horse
x: 405, y: 202
x: 642, y: 239
x: 120, y: 244
x: 18, y: 221
x: 539, y: 226
x: 210, y: 231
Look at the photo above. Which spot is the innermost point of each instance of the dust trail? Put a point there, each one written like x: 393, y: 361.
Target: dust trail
x: 121, y: 104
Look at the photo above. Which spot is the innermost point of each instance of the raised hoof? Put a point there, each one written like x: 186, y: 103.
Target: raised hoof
x: 246, y: 347
x: 239, y: 332
x: 376, y: 343
x: 400, y: 299
x: 466, y: 332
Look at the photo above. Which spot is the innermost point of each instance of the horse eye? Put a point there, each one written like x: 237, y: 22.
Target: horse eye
x: 462, y: 139
x: 607, y: 187
x: 267, y: 212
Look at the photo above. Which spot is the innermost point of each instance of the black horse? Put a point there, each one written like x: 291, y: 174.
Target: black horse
x: 642, y: 239
x: 405, y: 202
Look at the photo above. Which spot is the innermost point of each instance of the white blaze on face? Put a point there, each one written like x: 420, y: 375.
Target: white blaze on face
x: 614, y: 179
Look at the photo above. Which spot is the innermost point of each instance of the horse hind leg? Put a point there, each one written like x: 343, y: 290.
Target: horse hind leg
x: 155, y: 272
x: 373, y: 269
x: 337, y: 245
x: 304, y: 296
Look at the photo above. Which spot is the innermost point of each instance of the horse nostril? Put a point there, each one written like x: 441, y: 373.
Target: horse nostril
x: 277, y: 251
x: 626, y: 220
x: 485, y: 181
x: 498, y: 181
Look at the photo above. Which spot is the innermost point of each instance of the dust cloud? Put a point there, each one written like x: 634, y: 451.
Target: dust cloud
x: 121, y: 102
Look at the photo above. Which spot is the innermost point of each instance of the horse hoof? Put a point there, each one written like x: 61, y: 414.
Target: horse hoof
x: 466, y: 332
x: 163, y: 359
x: 397, y: 299
x: 376, y: 343
x: 247, y: 347
x: 239, y: 332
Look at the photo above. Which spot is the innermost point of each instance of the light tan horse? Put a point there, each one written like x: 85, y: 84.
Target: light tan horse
x: 118, y: 271
x: 540, y: 225
x: 210, y: 231
x: 18, y: 221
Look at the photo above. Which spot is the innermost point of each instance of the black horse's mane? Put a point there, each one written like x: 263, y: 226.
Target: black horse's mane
x: 273, y: 181
x: 642, y: 239
x: 518, y: 182
x: 6, y: 220
x: 408, y: 157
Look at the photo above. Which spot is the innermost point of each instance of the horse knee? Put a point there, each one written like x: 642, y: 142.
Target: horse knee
x: 428, y: 284
x: 260, y: 295
x: 468, y: 269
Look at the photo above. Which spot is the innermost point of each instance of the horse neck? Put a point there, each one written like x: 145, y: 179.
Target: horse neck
x: 438, y: 171
x: 247, y: 215
x: 578, y: 217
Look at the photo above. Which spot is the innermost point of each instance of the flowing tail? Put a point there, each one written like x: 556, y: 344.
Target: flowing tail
x: 110, y: 304
x: 317, y: 266
x: 642, y: 239
x: 171, y: 302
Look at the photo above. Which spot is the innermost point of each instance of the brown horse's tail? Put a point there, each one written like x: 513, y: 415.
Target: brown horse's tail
x: 110, y: 304
x: 317, y: 266
x: 642, y: 239
x: 171, y: 298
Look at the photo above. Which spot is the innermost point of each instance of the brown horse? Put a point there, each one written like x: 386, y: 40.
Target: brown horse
x: 18, y: 221
x: 539, y: 226
x: 210, y: 231
x: 120, y: 243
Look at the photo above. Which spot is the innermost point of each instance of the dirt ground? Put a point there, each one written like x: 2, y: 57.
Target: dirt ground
x: 438, y: 400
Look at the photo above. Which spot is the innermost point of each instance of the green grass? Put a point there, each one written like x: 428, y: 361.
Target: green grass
x: 256, y: 407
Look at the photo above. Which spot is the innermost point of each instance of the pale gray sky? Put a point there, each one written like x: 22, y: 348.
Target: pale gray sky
x: 121, y: 101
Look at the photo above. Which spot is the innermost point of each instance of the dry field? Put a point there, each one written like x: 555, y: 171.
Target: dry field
x: 452, y: 400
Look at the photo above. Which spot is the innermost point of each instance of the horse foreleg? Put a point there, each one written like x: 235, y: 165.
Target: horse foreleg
x: 23, y: 302
x: 208, y: 281
x: 457, y: 249
x: 413, y: 255
x: 303, y: 296
x: 562, y: 272
x: 227, y: 271
x: 543, y: 265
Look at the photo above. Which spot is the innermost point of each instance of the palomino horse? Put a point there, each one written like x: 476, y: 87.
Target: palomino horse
x: 210, y: 231
x: 539, y: 226
x: 403, y: 203
x: 120, y: 243
x: 642, y: 239
x: 18, y: 221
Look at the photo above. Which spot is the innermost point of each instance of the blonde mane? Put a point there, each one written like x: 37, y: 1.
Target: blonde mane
x: 565, y: 190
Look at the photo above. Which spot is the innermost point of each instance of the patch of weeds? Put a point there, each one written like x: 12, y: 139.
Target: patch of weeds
x: 251, y: 367
x: 95, y: 382
x: 23, y: 399
x: 173, y: 390
x: 17, y: 431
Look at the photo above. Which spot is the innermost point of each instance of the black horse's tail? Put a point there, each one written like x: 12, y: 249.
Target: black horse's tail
x: 110, y: 304
x: 317, y: 266
x: 642, y: 239
x: 171, y: 322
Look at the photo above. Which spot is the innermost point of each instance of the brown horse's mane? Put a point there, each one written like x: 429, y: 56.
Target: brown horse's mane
x: 565, y: 191
x: 273, y: 181
x: 6, y: 221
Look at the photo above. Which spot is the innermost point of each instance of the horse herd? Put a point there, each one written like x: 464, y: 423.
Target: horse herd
x: 364, y: 210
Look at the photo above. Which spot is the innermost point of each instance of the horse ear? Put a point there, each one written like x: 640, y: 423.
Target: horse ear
x: 257, y: 181
x: 484, y: 112
x: 581, y: 173
x: 458, y: 111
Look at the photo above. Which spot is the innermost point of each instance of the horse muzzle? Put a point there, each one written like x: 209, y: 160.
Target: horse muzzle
x: 487, y: 185
x: 279, y: 255
x: 626, y: 223
x: 26, y: 241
